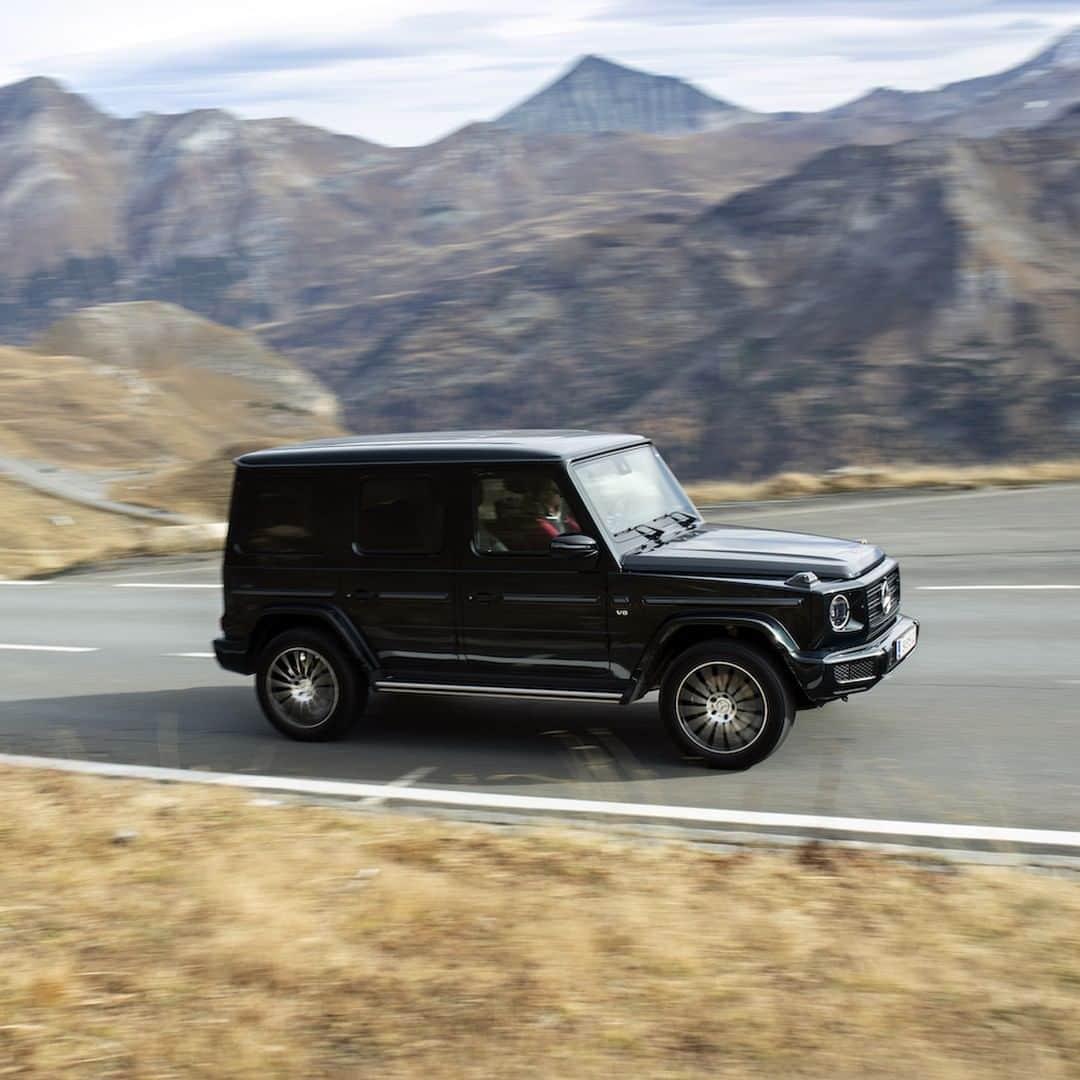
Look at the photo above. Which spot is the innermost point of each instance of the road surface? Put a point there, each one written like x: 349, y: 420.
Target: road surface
x: 980, y: 726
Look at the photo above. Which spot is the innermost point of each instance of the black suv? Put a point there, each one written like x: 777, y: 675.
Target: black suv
x: 563, y: 565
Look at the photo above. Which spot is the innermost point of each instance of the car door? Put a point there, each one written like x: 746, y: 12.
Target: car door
x: 530, y: 618
x: 399, y: 584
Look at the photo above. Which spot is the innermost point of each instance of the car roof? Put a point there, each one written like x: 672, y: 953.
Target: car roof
x: 446, y: 446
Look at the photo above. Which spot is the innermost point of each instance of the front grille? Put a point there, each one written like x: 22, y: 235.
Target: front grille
x: 876, y: 615
x: 855, y: 670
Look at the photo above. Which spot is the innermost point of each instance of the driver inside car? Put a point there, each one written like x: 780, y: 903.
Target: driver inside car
x: 552, y: 516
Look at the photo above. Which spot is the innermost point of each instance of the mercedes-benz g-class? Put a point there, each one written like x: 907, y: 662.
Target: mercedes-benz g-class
x: 538, y: 564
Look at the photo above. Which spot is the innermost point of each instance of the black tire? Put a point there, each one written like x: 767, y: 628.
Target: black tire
x: 726, y: 703
x: 308, y: 687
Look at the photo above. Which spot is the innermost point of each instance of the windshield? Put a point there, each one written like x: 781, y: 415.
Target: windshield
x: 633, y: 488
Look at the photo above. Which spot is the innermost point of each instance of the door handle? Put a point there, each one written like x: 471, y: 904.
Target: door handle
x: 481, y: 597
x: 361, y: 595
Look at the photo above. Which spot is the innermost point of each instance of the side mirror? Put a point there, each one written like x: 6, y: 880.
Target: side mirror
x: 574, y: 546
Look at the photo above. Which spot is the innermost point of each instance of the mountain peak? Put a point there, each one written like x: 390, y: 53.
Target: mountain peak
x: 596, y: 94
x: 595, y: 62
x: 37, y: 85
x: 29, y: 96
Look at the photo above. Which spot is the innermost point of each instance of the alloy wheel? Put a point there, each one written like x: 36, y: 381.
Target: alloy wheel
x: 721, y: 707
x: 302, y: 687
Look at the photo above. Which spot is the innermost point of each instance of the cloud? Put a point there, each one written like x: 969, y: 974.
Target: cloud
x: 251, y: 58
x: 413, y: 36
x: 705, y: 12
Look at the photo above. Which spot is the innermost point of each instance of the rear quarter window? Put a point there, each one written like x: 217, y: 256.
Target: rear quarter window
x: 280, y: 515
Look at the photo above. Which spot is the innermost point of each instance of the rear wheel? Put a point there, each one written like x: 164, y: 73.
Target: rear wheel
x: 308, y: 687
x: 727, y: 704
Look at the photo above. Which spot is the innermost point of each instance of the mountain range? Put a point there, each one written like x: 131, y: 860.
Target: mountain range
x: 905, y: 265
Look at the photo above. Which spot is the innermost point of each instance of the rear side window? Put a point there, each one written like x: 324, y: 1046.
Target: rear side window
x: 399, y: 515
x: 281, y: 518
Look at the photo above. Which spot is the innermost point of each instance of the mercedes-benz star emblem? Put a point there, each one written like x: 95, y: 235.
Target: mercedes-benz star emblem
x: 887, y: 598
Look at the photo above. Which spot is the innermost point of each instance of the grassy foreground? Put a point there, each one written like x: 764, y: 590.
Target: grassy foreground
x: 180, y: 931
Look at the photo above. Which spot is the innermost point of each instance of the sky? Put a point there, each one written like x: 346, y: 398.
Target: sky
x: 409, y: 71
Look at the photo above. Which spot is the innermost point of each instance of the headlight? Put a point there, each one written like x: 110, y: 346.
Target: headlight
x: 839, y: 611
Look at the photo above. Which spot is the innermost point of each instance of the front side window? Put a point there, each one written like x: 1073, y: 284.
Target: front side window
x: 520, y: 511
x: 632, y: 488
x: 400, y: 515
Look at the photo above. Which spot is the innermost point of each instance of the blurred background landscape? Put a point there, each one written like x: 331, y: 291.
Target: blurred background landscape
x: 809, y: 249
x: 890, y: 281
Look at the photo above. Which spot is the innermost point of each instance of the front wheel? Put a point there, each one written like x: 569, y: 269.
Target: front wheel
x: 727, y: 704
x: 307, y: 686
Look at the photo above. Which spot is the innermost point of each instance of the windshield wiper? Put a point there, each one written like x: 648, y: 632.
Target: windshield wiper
x: 651, y: 531
x: 679, y: 517
x: 684, y: 518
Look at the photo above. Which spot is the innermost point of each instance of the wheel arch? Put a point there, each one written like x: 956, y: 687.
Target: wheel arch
x: 673, y: 638
x: 280, y: 618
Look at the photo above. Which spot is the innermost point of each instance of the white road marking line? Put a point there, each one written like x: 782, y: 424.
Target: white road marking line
x: 25, y: 582
x: 192, y: 655
x: 163, y: 585
x: 993, y: 588
x: 499, y: 801
x: 132, y: 574
x: 47, y: 648
x: 401, y: 781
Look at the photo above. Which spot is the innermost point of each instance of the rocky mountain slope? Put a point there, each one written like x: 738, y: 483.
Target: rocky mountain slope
x: 919, y: 300
x: 248, y: 221
x: 262, y: 221
x: 758, y: 292
x: 596, y: 95
x: 1023, y: 96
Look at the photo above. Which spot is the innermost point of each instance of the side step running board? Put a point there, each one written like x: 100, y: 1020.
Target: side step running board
x: 389, y: 687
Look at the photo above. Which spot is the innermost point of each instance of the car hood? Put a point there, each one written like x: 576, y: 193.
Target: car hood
x: 736, y: 552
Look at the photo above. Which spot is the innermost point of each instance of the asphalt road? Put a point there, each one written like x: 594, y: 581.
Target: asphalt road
x: 980, y: 726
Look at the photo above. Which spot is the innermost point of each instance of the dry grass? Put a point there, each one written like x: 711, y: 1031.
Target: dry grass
x: 201, y: 490
x: 42, y: 534
x: 228, y: 939
x: 792, y: 485
x: 74, y: 410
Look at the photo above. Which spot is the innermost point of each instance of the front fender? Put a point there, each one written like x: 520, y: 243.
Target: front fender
x: 648, y: 668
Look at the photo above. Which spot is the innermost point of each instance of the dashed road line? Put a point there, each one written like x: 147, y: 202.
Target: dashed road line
x: 995, y: 588
x: 192, y: 655
x: 18, y: 583
x: 163, y: 585
x: 48, y: 648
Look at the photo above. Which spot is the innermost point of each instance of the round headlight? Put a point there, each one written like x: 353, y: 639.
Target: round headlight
x: 839, y: 611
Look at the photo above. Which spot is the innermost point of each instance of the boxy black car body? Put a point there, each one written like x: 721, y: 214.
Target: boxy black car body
x: 508, y: 563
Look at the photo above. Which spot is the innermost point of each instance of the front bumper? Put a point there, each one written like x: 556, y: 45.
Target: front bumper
x: 829, y: 675
x: 232, y: 655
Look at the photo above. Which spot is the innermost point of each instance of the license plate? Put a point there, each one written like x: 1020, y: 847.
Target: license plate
x: 905, y: 643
